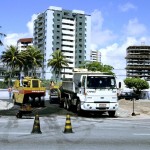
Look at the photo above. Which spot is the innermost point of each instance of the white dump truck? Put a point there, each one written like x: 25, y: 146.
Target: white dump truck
x: 89, y: 91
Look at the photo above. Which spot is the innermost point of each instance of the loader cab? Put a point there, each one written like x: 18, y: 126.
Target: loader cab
x: 16, y: 84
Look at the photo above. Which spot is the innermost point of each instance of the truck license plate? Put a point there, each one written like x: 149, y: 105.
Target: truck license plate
x: 102, y: 105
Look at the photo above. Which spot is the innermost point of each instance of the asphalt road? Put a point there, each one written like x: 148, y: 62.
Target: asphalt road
x: 88, y: 133
x: 96, y: 133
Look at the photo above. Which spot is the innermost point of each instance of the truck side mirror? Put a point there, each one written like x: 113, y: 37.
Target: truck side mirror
x: 119, y: 85
x: 79, y: 84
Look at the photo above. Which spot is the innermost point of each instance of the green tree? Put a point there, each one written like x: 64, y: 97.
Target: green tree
x: 57, y: 63
x: 34, y: 59
x: 2, y: 35
x: 13, y: 60
x: 97, y: 66
x: 137, y: 84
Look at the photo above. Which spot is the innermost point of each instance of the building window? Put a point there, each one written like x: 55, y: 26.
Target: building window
x: 80, y: 29
x: 66, y: 13
x: 80, y: 23
x: 80, y: 34
x: 80, y: 45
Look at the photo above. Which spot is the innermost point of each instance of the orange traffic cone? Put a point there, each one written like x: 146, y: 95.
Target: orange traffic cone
x: 36, y: 125
x: 68, y: 127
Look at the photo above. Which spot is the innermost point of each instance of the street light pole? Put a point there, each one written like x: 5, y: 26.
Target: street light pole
x: 133, y: 113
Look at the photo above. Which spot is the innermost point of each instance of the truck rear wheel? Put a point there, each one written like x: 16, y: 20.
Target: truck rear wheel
x: 61, y: 103
x: 65, y: 103
x: 68, y: 106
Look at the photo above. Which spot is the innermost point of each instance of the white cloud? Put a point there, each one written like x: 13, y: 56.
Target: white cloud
x: 114, y: 54
x: 97, y: 19
x: 99, y: 35
x: 134, y: 28
x: 30, y: 24
x: 12, y: 38
x: 126, y: 7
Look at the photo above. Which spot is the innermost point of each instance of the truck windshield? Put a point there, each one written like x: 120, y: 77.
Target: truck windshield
x: 100, y: 82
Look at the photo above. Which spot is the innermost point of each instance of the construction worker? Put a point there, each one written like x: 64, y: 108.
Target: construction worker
x: 10, y: 92
x: 51, y: 84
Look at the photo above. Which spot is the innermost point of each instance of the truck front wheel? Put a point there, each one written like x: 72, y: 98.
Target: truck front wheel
x: 79, y: 110
x: 111, y: 113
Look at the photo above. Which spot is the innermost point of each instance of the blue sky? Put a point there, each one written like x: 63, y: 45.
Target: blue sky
x: 116, y: 24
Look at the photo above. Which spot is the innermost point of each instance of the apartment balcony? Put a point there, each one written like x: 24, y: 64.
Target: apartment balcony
x: 138, y: 75
x: 68, y: 27
x: 71, y: 65
x: 68, y: 76
x: 66, y: 48
x: 68, y: 43
x: 68, y: 21
x: 68, y: 54
x: 67, y: 70
x: 138, y: 67
x: 40, y: 31
x: 65, y: 37
x: 70, y: 59
x: 137, y: 56
x: 68, y: 32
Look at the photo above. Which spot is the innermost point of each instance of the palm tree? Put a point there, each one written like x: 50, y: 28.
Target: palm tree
x: 58, y: 62
x: 1, y: 34
x: 13, y: 59
x: 34, y: 59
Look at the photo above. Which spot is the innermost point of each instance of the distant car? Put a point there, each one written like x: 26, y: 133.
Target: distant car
x: 128, y: 96
x: 54, y: 96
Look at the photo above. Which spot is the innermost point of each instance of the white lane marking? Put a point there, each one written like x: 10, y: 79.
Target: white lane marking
x: 17, y: 133
x: 147, y: 134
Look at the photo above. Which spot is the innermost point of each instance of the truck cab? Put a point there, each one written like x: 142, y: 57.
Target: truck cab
x: 98, y: 93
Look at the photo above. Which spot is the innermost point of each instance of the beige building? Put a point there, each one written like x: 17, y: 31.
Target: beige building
x: 23, y: 43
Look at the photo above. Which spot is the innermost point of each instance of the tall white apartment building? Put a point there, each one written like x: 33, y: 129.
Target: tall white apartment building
x: 95, y: 55
x: 66, y: 30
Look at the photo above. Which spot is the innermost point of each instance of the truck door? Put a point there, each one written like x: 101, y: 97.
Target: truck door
x: 82, y: 89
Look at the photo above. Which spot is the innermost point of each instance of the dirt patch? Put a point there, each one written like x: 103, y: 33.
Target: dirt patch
x: 141, y: 108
